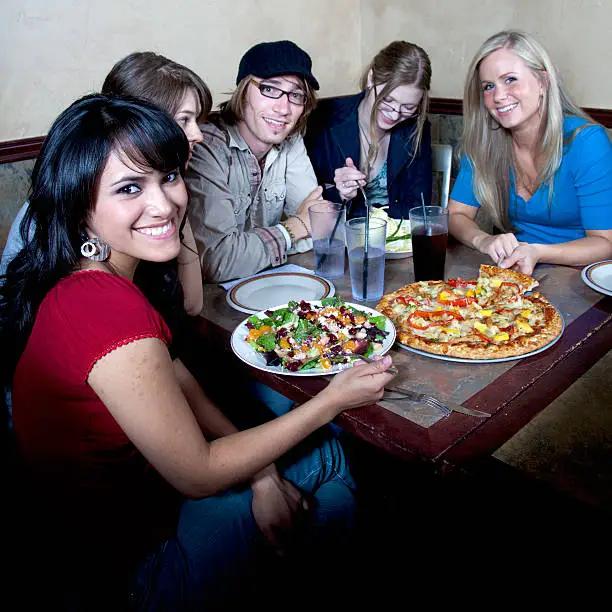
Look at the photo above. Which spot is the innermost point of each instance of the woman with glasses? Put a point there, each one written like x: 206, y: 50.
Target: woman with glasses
x: 380, y: 138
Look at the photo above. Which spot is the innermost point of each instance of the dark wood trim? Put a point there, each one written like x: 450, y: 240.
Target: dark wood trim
x: 451, y: 106
x: 20, y: 150
x: 601, y: 115
x: 445, y: 106
x: 28, y: 148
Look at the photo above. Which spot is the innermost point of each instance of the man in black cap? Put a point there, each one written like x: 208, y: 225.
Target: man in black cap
x: 251, y: 181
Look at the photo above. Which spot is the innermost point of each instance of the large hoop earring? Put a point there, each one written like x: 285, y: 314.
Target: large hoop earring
x: 95, y: 249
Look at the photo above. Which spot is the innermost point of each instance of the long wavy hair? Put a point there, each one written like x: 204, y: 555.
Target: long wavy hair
x: 232, y: 110
x: 399, y: 63
x: 64, y: 189
x: 488, y: 146
x: 151, y: 76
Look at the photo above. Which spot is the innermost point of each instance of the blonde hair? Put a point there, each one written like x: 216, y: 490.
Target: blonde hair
x: 232, y: 110
x: 489, y: 149
x: 399, y: 63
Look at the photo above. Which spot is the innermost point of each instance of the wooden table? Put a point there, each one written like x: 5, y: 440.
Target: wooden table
x: 512, y: 392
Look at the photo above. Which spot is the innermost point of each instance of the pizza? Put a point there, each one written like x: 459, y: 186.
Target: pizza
x: 488, y: 318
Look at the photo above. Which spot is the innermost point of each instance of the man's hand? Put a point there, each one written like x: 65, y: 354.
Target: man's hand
x: 299, y: 229
x: 278, y: 508
x: 348, y: 179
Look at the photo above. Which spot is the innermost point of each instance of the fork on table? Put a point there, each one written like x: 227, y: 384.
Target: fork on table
x: 428, y: 400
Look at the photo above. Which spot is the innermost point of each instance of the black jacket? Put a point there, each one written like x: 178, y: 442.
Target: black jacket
x: 332, y: 135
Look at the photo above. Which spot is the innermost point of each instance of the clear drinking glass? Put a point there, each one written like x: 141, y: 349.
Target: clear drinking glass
x: 367, y: 270
x: 328, y: 238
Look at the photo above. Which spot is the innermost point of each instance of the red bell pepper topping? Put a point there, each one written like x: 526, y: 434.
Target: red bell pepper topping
x: 459, y: 282
x: 408, y: 301
x: 516, y: 288
x: 482, y: 336
x: 429, y: 315
x: 463, y: 301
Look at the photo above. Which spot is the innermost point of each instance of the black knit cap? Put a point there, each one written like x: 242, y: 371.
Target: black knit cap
x: 269, y: 59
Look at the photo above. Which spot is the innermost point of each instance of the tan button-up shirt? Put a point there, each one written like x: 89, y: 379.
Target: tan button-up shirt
x: 235, y: 208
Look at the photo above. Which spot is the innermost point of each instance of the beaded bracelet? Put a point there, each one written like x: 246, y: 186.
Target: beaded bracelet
x: 303, y: 225
x: 289, y: 231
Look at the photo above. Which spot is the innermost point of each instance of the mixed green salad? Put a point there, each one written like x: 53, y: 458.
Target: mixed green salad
x: 306, y: 336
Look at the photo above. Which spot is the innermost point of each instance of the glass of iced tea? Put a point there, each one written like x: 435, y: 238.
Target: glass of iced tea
x: 429, y: 228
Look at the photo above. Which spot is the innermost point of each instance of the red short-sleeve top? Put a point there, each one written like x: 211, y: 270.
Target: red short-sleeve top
x: 75, y: 451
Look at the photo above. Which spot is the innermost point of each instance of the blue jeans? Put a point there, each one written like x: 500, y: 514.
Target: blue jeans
x: 219, y: 558
x: 279, y: 404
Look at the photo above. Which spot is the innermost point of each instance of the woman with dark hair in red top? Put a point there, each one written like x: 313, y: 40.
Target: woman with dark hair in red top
x: 138, y: 478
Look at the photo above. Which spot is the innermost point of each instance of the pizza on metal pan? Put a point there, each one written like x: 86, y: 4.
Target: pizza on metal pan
x: 487, y: 318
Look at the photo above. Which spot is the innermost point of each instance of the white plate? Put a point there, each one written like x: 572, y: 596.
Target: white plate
x: 398, y: 254
x: 598, y: 276
x: 498, y: 360
x: 405, y: 226
x: 250, y: 356
x: 259, y: 293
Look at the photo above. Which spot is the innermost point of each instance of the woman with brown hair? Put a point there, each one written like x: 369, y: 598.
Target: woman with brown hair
x: 182, y: 94
x: 380, y: 138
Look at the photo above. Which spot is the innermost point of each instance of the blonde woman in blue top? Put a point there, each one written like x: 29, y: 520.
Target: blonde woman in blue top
x: 538, y: 164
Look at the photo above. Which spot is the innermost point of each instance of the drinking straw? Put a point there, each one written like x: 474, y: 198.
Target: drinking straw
x: 365, y: 248
x: 424, y: 215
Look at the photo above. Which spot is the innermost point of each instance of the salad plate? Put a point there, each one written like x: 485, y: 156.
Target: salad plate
x: 319, y: 331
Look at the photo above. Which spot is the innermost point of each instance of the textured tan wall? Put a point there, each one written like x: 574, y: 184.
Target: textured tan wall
x: 577, y: 34
x: 53, y: 51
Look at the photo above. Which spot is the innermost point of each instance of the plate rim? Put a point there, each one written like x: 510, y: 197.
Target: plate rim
x: 494, y: 360
x: 585, y: 274
x: 398, y: 254
x: 279, y: 370
x: 231, y: 300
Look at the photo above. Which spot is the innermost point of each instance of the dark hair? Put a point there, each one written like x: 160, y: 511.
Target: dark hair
x: 64, y: 188
x: 151, y: 76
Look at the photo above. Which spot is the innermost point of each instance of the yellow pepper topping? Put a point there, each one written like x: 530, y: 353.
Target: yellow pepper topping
x: 485, y: 313
x: 481, y: 327
x: 449, y: 330
x: 524, y: 326
x: 525, y: 313
x: 500, y: 337
x: 496, y: 282
x: 469, y: 293
x: 443, y: 295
